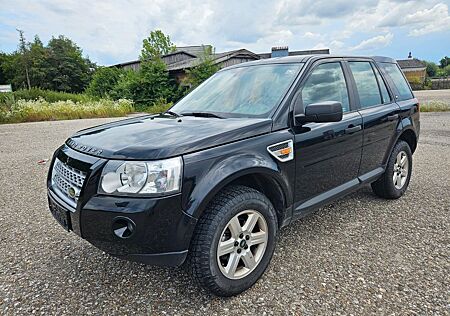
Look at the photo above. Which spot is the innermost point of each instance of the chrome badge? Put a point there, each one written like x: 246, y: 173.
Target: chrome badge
x: 72, y: 192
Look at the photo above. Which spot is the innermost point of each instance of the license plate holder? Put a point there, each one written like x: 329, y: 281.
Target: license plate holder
x: 60, y: 214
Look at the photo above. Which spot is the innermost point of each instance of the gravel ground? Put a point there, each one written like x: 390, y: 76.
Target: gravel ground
x: 360, y: 255
x: 427, y: 96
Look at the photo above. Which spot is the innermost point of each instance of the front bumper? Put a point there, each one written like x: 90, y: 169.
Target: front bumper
x: 161, y: 231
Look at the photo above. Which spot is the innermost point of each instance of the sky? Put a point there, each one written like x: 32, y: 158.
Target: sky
x: 111, y: 32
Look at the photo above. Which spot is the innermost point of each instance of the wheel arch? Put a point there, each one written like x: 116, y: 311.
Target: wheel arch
x: 268, y: 186
x: 409, y: 136
x: 265, y: 180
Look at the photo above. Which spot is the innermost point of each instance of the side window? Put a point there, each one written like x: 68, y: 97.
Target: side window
x: 366, y: 83
x: 326, y: 83
x: 400, y: 83
x: 383, y: 88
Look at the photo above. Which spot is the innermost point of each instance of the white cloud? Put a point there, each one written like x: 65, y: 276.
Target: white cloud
x: 374, y: 43
x: 112, y: 31
x: 419, y: 17
x: 430, y: 20
x: 311, y: 35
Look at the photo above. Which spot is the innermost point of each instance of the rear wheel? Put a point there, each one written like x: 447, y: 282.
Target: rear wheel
x: 234, y: 241
x: 397, y: 175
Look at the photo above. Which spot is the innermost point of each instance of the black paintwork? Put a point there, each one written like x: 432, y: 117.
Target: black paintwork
x: 163, y: 136
x: 331, y: 159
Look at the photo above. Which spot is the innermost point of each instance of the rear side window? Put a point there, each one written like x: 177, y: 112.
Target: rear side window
x: 383, y: 88
x: 366, y: 83
x: 326, y: 83
x: 400, y: 83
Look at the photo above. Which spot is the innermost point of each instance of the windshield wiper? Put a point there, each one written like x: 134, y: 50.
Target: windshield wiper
x: 172, y: 113
x: 202, y: 114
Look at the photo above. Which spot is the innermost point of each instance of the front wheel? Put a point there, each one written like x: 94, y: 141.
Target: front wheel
x: 234, y: 241
x: 397, y: 175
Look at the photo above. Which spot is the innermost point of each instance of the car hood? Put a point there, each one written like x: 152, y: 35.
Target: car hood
x: 156, y: 137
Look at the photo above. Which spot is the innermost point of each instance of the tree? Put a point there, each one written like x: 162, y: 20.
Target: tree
x: 156, y: 45
x: 38, y: 62
x: 432, y: 68
x: 127, y: 83
x: 205, y: 69
x: 5, y: 68
x: 58, y: 66
x: 153, y: 83
x: 67, y: 69
x: 23, y: 50
x: 104, y: 81
x: 445, y: 62
x: 446, y: 71
x: 26, y: 67
x: 14, y: 71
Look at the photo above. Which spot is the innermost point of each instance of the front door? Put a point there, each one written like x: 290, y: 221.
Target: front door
x: 327, y: 154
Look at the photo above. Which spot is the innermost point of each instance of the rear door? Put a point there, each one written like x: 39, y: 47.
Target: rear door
x: 380, y: 115
x: 327, y: 154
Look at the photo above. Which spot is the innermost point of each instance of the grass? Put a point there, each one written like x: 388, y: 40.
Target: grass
x: 10, y: 98
x: 42, y: 110
x: 44, y: 105
x: 434, y: 106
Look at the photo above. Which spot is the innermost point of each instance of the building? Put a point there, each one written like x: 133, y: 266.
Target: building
x: 190, y: 56
x: 415, y: 70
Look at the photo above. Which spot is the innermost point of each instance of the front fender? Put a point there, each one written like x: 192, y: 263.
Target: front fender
x: 207, y: 172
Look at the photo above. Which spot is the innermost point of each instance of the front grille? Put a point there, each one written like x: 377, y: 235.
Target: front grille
x: 67, y: 181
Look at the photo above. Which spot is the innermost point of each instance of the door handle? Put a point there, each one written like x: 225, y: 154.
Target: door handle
x: 352, y: 129
x: 392, y: 117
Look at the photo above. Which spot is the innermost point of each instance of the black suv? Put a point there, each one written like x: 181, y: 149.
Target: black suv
x: 211, y: 181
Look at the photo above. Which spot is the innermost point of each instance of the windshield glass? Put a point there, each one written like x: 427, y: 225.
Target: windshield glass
x: 241, y: 92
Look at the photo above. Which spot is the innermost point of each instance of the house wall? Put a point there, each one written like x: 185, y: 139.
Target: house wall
x: 415, y: 75
x: 173, y: 58
x: 135, y: 66
x: 235, y: 61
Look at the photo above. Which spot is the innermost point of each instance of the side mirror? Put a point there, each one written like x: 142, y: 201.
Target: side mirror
x: 328, y: 111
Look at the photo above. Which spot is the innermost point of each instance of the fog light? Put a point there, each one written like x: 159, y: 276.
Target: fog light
x: 123, y: 227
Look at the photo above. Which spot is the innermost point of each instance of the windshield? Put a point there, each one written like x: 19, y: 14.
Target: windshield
x: 241, y: 92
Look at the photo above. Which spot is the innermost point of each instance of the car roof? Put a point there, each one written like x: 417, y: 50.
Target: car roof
x: 306, y: 58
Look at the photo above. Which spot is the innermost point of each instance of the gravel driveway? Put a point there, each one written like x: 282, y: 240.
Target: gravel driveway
x: 360, y: 255
x: 427, y: 96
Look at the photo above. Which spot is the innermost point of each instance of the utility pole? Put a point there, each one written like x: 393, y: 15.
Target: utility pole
x: 23, y: 51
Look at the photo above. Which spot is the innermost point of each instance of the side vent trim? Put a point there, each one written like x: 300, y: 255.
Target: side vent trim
x: 282, y: 151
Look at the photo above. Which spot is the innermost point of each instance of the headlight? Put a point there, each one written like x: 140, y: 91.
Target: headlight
x: 141, y: 177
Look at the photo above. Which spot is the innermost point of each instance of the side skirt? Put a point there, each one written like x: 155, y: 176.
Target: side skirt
x: 322, y: 199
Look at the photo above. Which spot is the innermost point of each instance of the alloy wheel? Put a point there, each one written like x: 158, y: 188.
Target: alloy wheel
x: 242, y: 244
x: 401, y: 169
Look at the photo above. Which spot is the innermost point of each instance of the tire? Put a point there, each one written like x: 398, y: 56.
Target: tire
x: 385, y: 187
x: 218, y: 223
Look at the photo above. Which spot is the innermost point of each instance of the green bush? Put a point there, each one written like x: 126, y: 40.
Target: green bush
x: 152, y: 83
x: 47, y: 95
x: 202, y: 71
x: 104, y: 81
x: 42, y: 110
x: 127, y: 83
x: 159, y: 106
